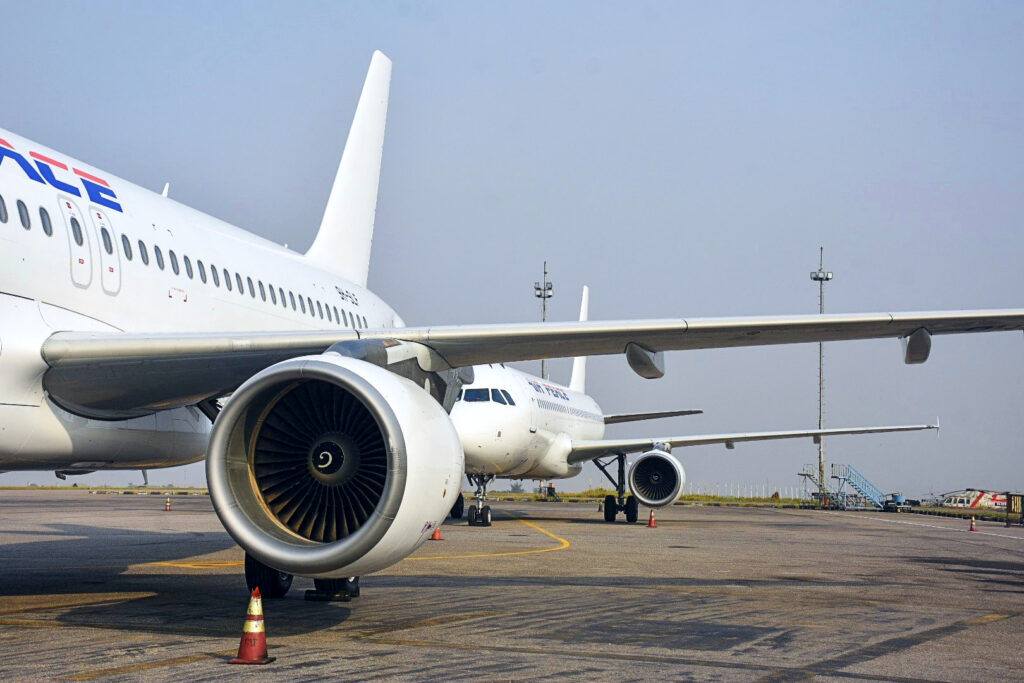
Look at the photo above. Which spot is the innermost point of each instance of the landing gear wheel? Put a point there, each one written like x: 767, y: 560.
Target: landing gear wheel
x: 610, y: 508
x: 334, y: 590
x: 472, y: 515
x: 485, y: 515
x: 632, y: 509
x: 272, y: 583
x: 459, y: 508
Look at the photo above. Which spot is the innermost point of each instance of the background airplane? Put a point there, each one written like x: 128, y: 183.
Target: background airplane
x: 519, y: 426
x: 126, y: 315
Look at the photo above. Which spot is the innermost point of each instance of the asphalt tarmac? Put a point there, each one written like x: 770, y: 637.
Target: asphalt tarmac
x: 111, y: 587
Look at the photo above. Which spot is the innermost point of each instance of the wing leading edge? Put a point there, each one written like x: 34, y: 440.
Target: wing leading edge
x: 584, y: 451
x: 198, y: 366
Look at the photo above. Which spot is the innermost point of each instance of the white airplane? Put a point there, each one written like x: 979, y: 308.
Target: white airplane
x: 519, y: 426
x: 125, y: 315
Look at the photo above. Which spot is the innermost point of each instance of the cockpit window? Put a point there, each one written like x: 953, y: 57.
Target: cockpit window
x: 497, y: 397
x: 477, y: 395
x: 508, y: 397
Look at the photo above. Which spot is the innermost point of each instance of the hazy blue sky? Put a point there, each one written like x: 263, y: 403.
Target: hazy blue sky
x: 683, y: 159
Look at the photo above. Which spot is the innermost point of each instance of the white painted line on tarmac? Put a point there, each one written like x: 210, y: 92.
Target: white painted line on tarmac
x: 945, y: 528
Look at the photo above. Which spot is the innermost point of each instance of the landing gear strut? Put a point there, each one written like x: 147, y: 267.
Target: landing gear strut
x: 272, y: 583
x: 613, y: 505
x: 480, y: 514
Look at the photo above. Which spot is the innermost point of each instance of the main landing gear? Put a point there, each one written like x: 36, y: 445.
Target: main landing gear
x: 459, y: 509
x: 274, y: 584
x: 480, y: 514
x: 613, y: 505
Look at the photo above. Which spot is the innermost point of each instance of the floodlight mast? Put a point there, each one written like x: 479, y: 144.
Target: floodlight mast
x: 543, y: 290
x: 821, y: 276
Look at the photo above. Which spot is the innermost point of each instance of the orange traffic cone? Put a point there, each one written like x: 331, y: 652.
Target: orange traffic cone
x: 651, y: 524
x: 167, y: 504
x: 437, y: 535
x: 253, y: 648
x: 974, y: 524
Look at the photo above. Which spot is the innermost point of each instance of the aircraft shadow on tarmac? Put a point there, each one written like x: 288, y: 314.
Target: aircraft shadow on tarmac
x: 1000, y: 572
x: 121, y: 588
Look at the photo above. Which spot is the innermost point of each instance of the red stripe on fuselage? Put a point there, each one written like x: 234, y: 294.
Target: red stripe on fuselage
x: 5, y: 144
x: 91, y: 177
x: 48, y: 160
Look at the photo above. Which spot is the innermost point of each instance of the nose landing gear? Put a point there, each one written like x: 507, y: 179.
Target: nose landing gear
x: 480, y: 514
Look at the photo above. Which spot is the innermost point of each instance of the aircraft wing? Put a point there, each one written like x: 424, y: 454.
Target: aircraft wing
x: 123, y: 374
x: 636, y: 417
x: 584, y: 451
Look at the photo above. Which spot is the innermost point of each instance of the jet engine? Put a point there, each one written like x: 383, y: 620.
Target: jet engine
x: 330, y: 466
x: 656, y: 479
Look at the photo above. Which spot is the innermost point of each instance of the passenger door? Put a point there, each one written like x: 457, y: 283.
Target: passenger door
x: 79, y: 243
x: 110, y: 260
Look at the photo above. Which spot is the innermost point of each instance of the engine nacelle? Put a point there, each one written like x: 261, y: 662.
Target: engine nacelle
x: 656, y: 479
x: 329, y: 466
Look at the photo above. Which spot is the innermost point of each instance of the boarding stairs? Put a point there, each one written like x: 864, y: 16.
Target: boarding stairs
x: 863, y: 496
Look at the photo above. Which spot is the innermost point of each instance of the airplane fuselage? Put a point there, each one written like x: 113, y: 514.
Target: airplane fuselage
x: 81, y: 250
x: 529, y: 437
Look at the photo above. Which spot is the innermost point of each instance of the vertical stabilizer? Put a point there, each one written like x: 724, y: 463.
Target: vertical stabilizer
x: 578, y: 381
x: 343, y: 243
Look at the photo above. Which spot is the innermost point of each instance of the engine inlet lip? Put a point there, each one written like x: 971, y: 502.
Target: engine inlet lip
x: 233, y: 437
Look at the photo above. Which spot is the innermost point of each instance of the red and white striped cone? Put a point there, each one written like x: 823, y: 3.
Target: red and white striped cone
x: 651, y: 523
x: 167, y: 504
x: 253, y: 648
x: 974, y: 524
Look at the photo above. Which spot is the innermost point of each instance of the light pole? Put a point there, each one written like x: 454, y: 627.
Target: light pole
x: 543, y: 290
x: 821, y: 276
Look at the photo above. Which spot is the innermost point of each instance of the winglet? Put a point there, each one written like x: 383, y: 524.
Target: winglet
x: 578, y: 379
x: 167, y: 189
x: 342, y: 245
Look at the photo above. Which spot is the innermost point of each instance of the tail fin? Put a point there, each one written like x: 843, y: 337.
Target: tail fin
x: 578, y: 380
x: 343, y: 243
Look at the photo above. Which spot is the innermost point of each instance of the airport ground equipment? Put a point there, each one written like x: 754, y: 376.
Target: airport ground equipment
x: 1014, y: 506
x: 864, y: 494
x: 895, y: 502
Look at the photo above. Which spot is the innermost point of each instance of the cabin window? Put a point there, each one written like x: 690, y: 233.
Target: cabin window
x: 44, y: 218
x: 202, y: 270
x: 477, y: 395
x: 329, y: 318
x: 76, y: 231
x: 159, y: 257
x: 273, y: 294
x: 508, y: 397
x: 174, y: 261
x: 143, y: 254
x: 337, y: 318
x: 214, y: 274
x: 252, y: 290
x: 188, y: 266
x: 263, y: 292
x: 291, y: 296
x: 108, y: 245
x: 126, y: 247
x: 319, y: 309
x: 227, y: 279
x: 497, y: 397
x: 302, y: 303
x: 238, y: 281
x: 365, y: 324
x: 3, y: 210
x: 310, y: 302
x: 280, y: 293
x: 23, y: 213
